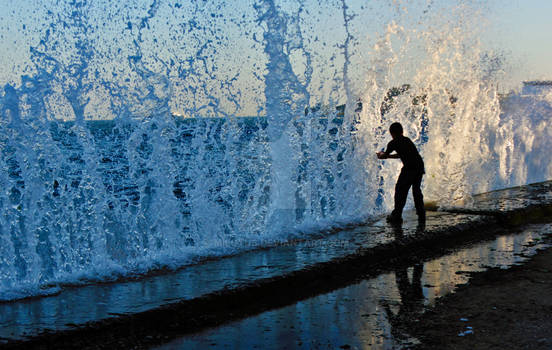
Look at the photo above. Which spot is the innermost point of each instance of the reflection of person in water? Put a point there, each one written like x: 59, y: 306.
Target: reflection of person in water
x: 411, y: 293
x: 412, y: 301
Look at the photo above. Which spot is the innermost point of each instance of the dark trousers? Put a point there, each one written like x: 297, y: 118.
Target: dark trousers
x: 407, y: 179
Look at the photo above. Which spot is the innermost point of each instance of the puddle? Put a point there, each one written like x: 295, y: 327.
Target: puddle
x: 372, y: 313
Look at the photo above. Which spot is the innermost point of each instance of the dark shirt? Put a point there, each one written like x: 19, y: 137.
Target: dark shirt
x: 408, y: 153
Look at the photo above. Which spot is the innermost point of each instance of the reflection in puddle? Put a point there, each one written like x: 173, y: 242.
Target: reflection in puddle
x: 371, y: 314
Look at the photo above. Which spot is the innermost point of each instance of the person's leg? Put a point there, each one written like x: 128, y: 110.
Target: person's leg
x: 418, y: 196
x: 401, y: 192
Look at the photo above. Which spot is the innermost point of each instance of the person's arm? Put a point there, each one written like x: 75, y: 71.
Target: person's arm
x: 386, y: 154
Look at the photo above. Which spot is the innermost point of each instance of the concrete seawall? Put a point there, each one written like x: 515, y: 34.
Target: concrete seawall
x: 158, y: 308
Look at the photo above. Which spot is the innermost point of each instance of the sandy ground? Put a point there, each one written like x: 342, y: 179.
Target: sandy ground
x: 498, y: 309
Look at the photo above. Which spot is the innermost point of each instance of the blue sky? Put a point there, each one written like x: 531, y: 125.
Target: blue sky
x: 523, y: 29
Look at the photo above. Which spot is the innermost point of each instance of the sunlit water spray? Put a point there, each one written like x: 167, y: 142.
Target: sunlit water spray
x: 102, y: 178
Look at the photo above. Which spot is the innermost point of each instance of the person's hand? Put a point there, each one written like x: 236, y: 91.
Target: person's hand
x: 381, y: 155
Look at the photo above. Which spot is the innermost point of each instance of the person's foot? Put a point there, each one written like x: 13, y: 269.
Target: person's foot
x: 394, y: 219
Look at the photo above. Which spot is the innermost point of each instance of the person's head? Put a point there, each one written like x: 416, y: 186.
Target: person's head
x: 396, y: 130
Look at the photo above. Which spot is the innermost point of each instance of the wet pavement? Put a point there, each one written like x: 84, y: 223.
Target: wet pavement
x: 73, y: 307
x: 79, y: 305
x: 514, y: 198
x: 373, y: 313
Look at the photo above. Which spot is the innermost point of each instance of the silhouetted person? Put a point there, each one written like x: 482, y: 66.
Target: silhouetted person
x: 411, y: 172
